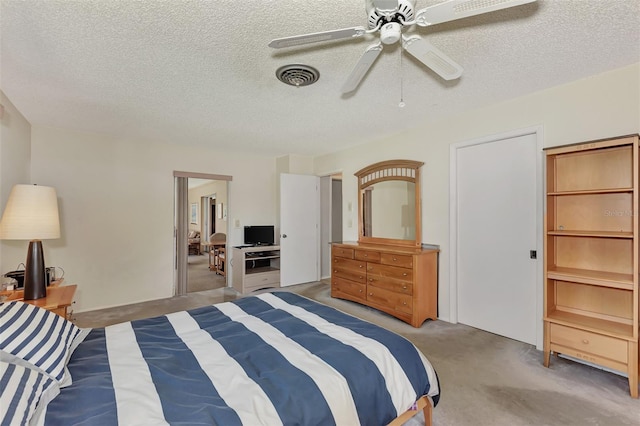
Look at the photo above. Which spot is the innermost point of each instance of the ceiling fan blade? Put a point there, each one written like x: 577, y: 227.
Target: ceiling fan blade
x: 432, y: 57
x: 385, y: 5
x: 317, y: 37
x: 458, y: 9
x: 366, y: 61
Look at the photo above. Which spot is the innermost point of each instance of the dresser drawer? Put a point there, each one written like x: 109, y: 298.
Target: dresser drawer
x: 586, y: 342
x: 342, y: 252
x: 349, y: 273
x: 348, y: 287
x: 396, y: 301
x: 348, y: 263
x: 401, y: 260
x: 393, y: 272
x: 354, y: 270
x: 390, y: 284
x: 371, y: 256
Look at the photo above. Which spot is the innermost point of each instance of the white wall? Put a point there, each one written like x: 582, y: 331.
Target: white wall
x: 116, y: 208
x: 15, y: 153
x: 598, y: 107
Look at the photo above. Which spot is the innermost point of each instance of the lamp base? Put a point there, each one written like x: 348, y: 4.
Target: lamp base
x: 35, y: 286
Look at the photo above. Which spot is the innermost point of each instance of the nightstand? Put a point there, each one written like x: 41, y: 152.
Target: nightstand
x: 58, y: 299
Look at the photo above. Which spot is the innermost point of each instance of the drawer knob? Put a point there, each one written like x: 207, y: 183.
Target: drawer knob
x: 360, y: 277
x: 404, y: 303
x: 360, y: 266
x: 585, y: 341
x: 404, y: 287
x: 394, y: 259
x: 366, y: 255
x: 335, y: 270
x: 360, y: 290
x: 404, y: 274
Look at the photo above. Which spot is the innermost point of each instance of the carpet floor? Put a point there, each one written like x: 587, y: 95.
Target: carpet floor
x: 485, y: 379
x: 199, y: 277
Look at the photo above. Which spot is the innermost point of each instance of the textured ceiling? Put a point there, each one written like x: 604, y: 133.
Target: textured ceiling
x: 195, y: 72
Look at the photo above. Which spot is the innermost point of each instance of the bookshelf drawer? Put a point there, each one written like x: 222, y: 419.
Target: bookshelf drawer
x: 587, y: 342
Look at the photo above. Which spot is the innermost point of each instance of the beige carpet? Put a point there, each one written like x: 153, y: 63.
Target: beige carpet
x: 485, y: 379
x: 199, y: 277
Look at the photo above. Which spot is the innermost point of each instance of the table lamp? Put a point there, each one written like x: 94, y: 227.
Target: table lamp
x: 32, y: 214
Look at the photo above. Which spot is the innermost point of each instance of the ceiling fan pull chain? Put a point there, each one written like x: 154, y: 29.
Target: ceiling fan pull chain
x: 401, y: 104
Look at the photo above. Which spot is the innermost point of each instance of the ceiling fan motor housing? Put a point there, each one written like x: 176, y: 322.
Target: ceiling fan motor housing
x: 404, y: 13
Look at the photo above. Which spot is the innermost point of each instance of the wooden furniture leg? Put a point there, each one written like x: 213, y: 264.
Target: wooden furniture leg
x: 547, y: 342
x: 424, y: 404
x: 212, y: 259
x: 633, y: 370
x: 428, y: 414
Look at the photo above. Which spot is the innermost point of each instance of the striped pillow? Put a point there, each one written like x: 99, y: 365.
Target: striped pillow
x: 25, y: 392
x: 37, y: 337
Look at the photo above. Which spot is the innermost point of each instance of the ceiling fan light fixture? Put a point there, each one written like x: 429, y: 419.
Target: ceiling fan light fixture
x: 390, y: 33
x: 297, y: 75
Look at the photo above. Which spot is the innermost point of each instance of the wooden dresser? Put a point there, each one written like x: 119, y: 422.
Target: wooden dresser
x: 401, y: 281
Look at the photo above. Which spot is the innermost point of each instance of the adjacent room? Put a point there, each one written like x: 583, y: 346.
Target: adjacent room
x: 419, y: 212
x: 207, y: 237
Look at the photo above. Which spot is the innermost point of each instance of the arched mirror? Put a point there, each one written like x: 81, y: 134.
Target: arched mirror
x: 389, y: 203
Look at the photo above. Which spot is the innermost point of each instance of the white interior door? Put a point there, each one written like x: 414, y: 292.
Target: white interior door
x: 496, y: 229
x: 299, y: 229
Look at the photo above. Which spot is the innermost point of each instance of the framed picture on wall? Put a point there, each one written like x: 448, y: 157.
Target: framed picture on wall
x: 194, y: 213
x: 219, y: 206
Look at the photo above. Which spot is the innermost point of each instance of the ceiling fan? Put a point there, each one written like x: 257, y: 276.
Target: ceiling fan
x: 390, y: 17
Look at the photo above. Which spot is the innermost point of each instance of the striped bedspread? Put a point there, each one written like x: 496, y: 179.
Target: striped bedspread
x: 275, y: 358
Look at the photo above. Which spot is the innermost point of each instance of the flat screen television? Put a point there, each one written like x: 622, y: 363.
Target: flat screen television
x: 263, y: 235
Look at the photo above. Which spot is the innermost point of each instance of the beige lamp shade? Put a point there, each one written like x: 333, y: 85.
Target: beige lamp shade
x: 31, y: 214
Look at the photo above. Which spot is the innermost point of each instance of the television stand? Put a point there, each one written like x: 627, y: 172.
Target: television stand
x: 255, y: 268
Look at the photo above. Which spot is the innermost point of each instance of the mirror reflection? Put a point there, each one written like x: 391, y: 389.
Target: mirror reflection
x: 388, y: 210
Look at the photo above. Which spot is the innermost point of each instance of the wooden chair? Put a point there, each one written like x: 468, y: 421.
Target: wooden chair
x: 217, y: 242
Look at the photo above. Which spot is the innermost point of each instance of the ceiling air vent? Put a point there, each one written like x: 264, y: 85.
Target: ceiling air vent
x: 297, y: 75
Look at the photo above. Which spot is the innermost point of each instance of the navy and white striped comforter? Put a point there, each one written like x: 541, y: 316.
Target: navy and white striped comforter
x: 276, y: 358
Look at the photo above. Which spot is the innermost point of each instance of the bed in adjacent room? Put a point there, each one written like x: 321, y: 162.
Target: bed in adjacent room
x: 274, y: 358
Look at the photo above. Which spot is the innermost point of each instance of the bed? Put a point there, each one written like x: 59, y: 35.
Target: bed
x: 274, y: 358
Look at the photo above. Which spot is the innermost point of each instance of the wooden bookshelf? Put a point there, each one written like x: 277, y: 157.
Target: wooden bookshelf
x: 591, y: 239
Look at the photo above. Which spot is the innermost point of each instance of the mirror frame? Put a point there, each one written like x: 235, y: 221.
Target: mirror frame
x: 407, y: 170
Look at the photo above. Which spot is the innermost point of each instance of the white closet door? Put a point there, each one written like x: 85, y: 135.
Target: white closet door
x: 496, y: 216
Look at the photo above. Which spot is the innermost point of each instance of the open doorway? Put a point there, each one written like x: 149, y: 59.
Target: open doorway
x: 201, y: 215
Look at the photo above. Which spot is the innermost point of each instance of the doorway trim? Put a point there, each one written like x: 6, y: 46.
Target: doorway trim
x: 181, y: 224
x: 453, y: 218
x: 327, y: 229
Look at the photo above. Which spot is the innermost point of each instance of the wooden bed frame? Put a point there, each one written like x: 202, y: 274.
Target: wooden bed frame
x: 423, y: 404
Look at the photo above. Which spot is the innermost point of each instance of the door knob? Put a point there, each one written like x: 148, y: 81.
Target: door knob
x: 284, y: 235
